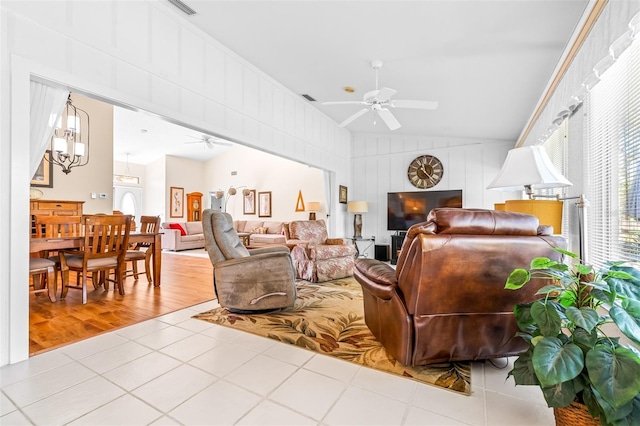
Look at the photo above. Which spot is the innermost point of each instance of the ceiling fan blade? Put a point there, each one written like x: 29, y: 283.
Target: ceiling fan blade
x: 414, y: 104
x: 385, y: 93
x: 354, y: 116
x: 344, y: 103
x: 388, y: 119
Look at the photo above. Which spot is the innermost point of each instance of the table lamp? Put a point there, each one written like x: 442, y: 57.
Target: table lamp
x: 529, y: 168
x: 312, y: 208
x: 357, y: 207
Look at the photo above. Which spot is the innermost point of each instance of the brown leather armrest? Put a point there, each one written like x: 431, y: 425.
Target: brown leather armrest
x: 378, y: 277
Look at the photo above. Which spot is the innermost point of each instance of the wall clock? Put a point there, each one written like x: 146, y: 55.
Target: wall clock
x: 425, y: 171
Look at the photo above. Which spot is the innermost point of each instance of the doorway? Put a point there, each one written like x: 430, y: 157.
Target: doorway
x: 128, y: 200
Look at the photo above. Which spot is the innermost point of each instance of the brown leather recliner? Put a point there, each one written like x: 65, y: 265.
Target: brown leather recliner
x: 446, y: 299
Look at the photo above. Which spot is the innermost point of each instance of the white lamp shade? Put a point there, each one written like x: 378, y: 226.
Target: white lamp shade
x: 528, y: 165
x: 357, y: 207
x: 73, y: 123
x: 60, y: 145
x: 313, y: 206
x: 78, y: 149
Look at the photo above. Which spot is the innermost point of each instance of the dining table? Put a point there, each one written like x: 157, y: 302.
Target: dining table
x: 37, y: 245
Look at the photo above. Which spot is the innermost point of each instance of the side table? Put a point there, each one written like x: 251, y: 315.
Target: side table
x: 370, y: 242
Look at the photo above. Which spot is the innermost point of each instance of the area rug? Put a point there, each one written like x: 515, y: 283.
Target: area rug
x: 328, y: 318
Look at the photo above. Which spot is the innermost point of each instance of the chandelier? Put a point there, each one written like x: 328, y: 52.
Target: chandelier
x: 70, y: 146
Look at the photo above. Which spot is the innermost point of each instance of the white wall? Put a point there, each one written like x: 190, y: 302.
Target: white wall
x: 380, y: 162
x: 154, y: 199
x: 146, y: 55
x: 265, y: 172
x: 185, y: 174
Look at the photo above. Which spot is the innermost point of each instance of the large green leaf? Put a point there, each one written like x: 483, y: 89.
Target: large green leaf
x: 586, y: 340
x: 583, y: 269
x: 522, y: 372
x: 628, y: 284
x: 612, y: 415
x: 626, y: 322
x: 561, y: 394
x: 522, y: 312
x: 555, y: 363
x: 546, y: 317
x: 614, y: 373
x: 517, y: 279
x: 542, y: 263
x: 565, y: 252
x: 584, y: 317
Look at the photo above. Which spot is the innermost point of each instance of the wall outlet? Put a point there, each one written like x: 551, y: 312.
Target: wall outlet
x: 103, y: 195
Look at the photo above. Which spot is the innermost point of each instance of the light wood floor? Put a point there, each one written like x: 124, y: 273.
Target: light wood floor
x: 186, y: 281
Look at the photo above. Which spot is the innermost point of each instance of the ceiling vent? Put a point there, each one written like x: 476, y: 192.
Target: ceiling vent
x: 309, y: 98
x: 183, y: 7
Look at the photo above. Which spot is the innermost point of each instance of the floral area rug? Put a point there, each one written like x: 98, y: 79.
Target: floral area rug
x: 328, y: 318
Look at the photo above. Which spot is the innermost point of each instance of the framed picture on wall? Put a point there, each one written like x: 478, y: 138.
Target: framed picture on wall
x: 343, y: 194
x: 249, y: 202
x: 264, y: 204
x: 43, y: 176
x: 176, y: 195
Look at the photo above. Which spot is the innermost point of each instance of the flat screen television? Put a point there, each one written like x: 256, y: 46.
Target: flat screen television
x: 408, y: 208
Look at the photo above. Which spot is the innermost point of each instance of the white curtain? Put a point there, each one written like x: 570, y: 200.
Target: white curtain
x: 46, y: 106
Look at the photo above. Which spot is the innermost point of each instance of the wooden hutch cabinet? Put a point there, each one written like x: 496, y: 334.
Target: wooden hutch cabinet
x: 54, y: 208
x: 194, y: 206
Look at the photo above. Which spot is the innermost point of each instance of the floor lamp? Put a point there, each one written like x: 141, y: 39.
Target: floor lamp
x: 529, y: 168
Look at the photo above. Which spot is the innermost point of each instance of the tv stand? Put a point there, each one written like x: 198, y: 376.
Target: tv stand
x: 396, y: 246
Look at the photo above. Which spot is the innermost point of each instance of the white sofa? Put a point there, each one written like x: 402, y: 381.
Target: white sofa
x: 259, y: 233
x: 172, y: 239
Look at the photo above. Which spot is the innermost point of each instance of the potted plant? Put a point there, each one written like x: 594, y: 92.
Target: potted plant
x: 570, y: 355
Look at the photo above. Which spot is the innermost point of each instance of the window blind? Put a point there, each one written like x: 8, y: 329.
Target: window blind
x: 612, y: 172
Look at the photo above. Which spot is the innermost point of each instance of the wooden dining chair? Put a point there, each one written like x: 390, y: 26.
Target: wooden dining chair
x: 148, y: 225
x: 39, y: 266
x: 56, y: 227
x: 105, y: 245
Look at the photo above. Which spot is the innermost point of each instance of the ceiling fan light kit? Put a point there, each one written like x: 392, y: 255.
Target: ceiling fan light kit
x: 377, y: 100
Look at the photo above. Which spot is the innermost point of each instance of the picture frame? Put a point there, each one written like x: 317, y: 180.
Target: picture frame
x: 342, y: 195
x: 249, y: 202
x: 43, y: 176
x: 264, y: 204
x: 176, y: 198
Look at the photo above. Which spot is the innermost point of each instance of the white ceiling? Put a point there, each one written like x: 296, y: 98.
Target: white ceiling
x: 142, y: 138
x: 487, y: 63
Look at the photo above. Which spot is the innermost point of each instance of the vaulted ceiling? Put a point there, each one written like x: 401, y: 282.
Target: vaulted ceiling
x: 486, y: 63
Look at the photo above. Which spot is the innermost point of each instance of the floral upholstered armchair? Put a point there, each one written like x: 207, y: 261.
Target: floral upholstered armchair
x: 317, y: 258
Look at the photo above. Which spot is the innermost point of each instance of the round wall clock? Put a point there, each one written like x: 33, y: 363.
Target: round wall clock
x: 425, y: 171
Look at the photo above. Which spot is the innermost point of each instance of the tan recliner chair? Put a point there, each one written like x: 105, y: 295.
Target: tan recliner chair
x: 247, y: 281
x: 446, y: 299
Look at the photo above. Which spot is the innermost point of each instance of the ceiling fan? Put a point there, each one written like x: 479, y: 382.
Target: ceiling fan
x: 378, y: 100
x: 209, y: 141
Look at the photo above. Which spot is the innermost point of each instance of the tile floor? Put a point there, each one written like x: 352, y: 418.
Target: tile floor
x: 177, y: 370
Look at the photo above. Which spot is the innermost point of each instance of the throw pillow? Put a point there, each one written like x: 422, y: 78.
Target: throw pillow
x: 179, y: 228
x: 259, y: 230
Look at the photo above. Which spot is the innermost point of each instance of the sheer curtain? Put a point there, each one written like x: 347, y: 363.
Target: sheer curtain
x: 46, y: 106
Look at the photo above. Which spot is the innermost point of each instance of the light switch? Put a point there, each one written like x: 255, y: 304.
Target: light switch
x: 93, y: 195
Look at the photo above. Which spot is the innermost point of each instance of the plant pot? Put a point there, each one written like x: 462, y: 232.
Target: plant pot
x: 574, y: 414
